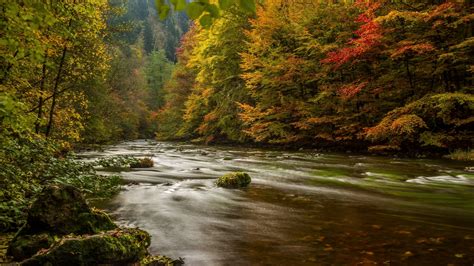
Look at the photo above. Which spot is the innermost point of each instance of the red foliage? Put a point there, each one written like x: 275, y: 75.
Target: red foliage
x: 369, y: 36
x: 349, y: 91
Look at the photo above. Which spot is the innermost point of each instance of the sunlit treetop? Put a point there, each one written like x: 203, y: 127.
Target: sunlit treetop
x: 203, y: 10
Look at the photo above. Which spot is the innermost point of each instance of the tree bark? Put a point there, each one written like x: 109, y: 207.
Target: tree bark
x: 55, y: 93
x: 41, y: 100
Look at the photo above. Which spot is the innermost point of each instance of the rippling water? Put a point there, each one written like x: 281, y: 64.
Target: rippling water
x: 302, y: 208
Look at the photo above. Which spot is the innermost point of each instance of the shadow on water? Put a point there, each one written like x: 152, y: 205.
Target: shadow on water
x: 302, y: 208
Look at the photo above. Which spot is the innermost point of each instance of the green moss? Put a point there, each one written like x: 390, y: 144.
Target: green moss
x: 120, y: 246
x: 27, y: 245
x: 61, y: 210
x: 94, y: 222
x: 234, y: 180
x: 143, y: 163
x: 161, y: 261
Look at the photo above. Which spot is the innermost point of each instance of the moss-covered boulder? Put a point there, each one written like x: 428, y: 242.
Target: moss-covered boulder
x: 61, y: 210
x: 117, y: 247
x: 234, y: 180
x: 25, y: 246
x: 57, y: 211
x: 161, y: 261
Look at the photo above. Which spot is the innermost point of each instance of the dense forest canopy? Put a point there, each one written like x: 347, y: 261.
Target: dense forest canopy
x: 383, y: 75
x: 375, y: 75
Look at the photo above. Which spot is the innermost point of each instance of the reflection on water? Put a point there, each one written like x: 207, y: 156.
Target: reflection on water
x: 302, y: 208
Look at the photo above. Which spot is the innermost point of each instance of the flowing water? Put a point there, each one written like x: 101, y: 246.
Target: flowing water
x: 302, y: 208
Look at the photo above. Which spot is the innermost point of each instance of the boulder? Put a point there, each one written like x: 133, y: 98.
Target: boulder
x: 234, y: 180
x: 62, y: 210
x: 117, y: 247
x: 25, y: 246
x: 161, y: 261
x: 57, y: 211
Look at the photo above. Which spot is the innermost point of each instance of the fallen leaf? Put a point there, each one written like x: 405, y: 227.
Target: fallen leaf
x: 328, y: 248
x: 421, y: 240
x: 437, y: 240
x: 402, y: 232
x: 408, y: 254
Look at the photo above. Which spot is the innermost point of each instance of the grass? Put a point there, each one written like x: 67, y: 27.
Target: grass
x: 462, y: 155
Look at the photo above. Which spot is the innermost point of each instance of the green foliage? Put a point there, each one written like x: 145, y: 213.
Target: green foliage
x: 83, y: 176
x: 204, y: 10
x: 462, y: 155
x: 142, y: 163
x: 158, y: 72
x: 21, y: 179
x: 440, y: 120
x: 121, y: 161
x: 212, y: 110
x: 177, y: 90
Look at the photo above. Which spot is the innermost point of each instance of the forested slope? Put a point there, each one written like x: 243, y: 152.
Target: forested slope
x: 382, y: 75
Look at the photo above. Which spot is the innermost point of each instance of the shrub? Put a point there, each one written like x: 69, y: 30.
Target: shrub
x: 142, y: 163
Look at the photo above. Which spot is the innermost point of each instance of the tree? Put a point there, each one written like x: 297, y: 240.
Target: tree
x: 212, y: 110
x: 204, y: 10
x: 177, y: 90
x: 158, y: 71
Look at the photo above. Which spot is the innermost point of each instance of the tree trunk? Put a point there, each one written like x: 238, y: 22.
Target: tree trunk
x: 40, y: 101
x: 55, y: 92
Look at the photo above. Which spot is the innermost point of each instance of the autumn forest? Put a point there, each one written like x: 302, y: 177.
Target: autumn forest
x: 372, y: 77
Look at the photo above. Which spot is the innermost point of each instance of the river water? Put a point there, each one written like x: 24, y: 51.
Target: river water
x: 302, y: 208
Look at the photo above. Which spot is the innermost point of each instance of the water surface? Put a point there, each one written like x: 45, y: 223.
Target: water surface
x: 302, y: 208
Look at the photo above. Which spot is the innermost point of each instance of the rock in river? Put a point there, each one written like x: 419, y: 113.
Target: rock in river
x: 234, y: 180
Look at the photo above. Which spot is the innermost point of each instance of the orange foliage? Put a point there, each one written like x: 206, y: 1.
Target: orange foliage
x: 351, y: 90
x: 409, y: 47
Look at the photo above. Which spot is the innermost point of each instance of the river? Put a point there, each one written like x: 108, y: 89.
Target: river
x: 302, y: 207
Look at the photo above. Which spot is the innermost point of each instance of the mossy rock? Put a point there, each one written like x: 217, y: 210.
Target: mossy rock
x: 62, y: 210
x: 25, y: 246
x: 234, y: 180
x: 59, y: 210
x: 143, y: 163
x: 118, y: 247
x: 161, y: 261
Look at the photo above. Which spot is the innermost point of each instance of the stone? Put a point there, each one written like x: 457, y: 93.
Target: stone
x: 57, y: 211
x: 161, y: 261
x: 61, y: 210
x: 118, y: 247
x: 234, y: 180
x: 25, y: 246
